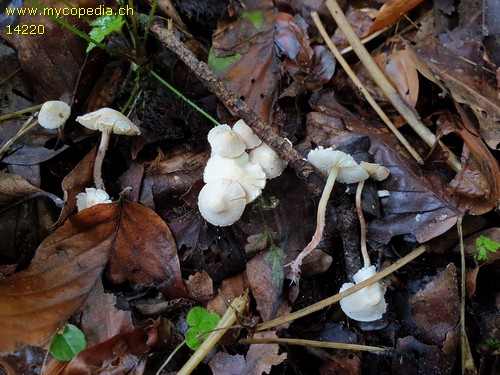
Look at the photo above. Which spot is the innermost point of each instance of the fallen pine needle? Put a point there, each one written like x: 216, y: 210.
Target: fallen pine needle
x: 337, y: 297
x: 317, y: 344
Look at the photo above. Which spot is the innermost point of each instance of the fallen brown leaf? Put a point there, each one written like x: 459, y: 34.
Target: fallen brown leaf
x: 390, y: 13
x: 35, y: 302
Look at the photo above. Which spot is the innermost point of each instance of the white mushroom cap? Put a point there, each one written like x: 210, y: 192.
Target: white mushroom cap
x: 249, y: 175
x: 225, y: 142
x: 108, y: 120
x: 326, y: 158
x: 367, y: 304
x: 269, y: 160
x: 222, y: 202
x: 53, y: 114
x: 246, y: 133
x: 375, y: 171
x: 91, y: 197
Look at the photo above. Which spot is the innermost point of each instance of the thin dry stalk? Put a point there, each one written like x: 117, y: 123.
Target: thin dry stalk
x: 363, y: 89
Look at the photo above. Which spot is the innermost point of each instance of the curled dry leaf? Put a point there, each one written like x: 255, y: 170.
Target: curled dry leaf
x: 13, y: 187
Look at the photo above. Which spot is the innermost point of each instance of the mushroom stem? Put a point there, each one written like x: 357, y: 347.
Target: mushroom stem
x: 362, y: 224
x: 101, y: 152
x: 320, y: 225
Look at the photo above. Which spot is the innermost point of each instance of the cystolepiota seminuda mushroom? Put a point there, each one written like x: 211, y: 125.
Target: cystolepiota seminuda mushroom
x: 90, y: 198
x: 222, y: 201
x: 225, y: 142
x: 53, y: 114
x: 367, y: 304
x: 378, y: 173
x: 107, y: 121
x: 249, y: 175
x: 246, y: 133
x: 339, y: 166
x: 272, y: 165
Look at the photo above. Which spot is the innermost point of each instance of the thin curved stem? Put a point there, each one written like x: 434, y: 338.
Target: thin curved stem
x: 362, y: 225
x: 320, y: 225
x: 101, y: 152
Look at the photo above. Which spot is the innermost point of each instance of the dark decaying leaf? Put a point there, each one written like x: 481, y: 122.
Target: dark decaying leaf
x: 124, y: 353
x: 256, y: 84
x: 436, y: 308
x: 52, y: 60
x: 266, y: 273
x: 416, y: 203
x: 100, y: 319
x: 36, y: 301
x: 467, y: 83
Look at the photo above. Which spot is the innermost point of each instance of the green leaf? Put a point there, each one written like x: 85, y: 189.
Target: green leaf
x: 68, y: 344
x: 484, y: 246
x: 103, y: 26
x: 256, y: 17
x: 201, y: 322
x: 275, y: 258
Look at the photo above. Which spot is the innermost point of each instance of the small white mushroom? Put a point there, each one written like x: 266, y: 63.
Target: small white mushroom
x: 272, y: 165
x: 225, y: 142
x: 246, y: 133
x: 249, y: 175
x: 222, y: 202
x: 339, y: 166
x: 53, y: 114
x: 367, y: 304
x: 91, y: 197
x: 378, y: 173
x: 107, y: 121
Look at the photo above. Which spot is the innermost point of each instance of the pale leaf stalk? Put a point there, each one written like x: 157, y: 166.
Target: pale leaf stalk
x: 228, y: 319
x: 385, y: 86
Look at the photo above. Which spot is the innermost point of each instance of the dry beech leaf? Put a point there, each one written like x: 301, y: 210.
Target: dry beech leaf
x: 145, y: 252
x: 36, y: 301
x: 390, y: 13
x: 403, y: 74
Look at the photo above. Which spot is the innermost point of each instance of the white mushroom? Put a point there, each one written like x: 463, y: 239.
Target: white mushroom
x: 338, y: 165
x: 367, y: 304
x: 249, y: 175
x: 222, y: 202
x: 107, y: 121
x: 246, y: 133
x: 225, y: 142
x: 91, y: 197
x: 378, y: 173
x: 272, y: 165
x: 53, y: 114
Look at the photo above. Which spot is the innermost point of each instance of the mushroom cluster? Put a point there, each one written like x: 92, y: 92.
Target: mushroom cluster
x: 236, y: 172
